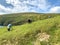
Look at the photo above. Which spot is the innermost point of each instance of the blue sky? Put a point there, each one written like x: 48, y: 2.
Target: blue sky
x: 39, y: 6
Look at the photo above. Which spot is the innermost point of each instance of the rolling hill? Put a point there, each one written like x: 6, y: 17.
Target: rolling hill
x: 34, y: 33
x: 21, y: 18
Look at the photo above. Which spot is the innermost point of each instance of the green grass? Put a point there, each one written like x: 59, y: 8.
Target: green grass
x: 26, y: 34
x: 21, y: 18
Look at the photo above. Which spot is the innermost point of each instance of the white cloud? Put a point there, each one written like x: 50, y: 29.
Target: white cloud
x: 4, y: 9
x: 42, y: 4
x: 13, y: 2
x: 24, y: 6
x: 55, y: 9
x: 2, y: 13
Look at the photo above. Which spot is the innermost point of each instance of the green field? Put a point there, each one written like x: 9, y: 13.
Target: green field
x: 32, y: 33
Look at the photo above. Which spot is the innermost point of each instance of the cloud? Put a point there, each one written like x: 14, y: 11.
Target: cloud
x: 42, y: 4
x: 55, y: 9
x: 4, y: 9
x: 25, y: 6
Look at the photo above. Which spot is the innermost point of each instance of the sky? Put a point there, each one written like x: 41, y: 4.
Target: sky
x: 39, y: 6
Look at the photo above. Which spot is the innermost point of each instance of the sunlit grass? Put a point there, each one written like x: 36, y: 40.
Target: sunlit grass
x: 25, y: 34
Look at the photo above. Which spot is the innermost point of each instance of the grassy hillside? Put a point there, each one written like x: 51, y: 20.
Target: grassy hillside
x: 27, y: 34
x: 21, y: 18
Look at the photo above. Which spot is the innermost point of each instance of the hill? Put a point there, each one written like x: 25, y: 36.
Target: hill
x: 21, y: 18
x: 31, y: 34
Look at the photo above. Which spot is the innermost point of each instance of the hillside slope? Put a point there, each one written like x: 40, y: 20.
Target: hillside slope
x: 27, y: 34
x: 21, y: 18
